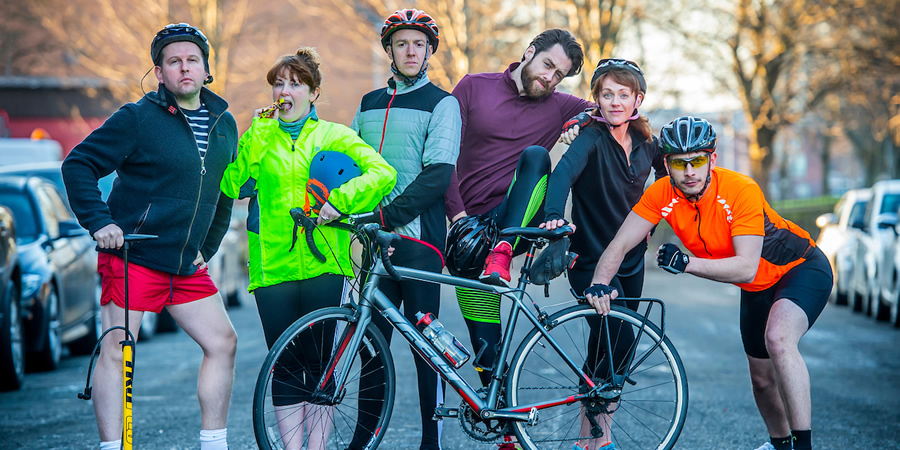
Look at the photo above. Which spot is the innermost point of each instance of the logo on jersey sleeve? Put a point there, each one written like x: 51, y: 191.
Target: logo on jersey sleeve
x: 668, y: 208
x: 726, y: 207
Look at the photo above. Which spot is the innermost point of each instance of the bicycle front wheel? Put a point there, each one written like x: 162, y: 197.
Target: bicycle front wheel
x: 298, y: 404
x: 648, y: 413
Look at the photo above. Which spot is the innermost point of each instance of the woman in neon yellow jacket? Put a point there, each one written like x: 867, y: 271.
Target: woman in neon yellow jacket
x: 272, y: 168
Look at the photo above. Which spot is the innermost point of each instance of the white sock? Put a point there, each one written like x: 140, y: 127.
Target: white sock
x: 214, y: 439
x: 111, y: 445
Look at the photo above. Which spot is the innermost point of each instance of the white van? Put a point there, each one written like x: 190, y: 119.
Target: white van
x: 26, y: 150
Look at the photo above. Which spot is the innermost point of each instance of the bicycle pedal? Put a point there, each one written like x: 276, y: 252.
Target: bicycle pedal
x: 445, y: 412
x: 494, y: 280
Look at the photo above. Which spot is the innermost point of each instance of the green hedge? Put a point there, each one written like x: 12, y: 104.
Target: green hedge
x: 803, y: 212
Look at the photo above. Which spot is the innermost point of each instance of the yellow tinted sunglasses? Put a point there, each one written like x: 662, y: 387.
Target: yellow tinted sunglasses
x: 695, y: 162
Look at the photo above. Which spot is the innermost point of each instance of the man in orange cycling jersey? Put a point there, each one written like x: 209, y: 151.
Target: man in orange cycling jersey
x: 723, y: 218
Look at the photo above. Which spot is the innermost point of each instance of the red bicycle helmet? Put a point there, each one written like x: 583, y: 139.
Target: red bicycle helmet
x: 413, y: 19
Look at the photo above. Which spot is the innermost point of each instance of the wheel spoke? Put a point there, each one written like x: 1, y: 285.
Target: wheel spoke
x: 647, y: 414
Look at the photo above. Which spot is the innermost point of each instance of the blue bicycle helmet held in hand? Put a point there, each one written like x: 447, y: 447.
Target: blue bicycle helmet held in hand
x: 327, y: 171
x: 469, y: 241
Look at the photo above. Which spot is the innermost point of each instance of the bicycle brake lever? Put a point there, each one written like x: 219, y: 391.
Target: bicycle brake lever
x: 385, y: 240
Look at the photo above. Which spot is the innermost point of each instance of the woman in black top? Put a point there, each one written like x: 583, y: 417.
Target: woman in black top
x: 606, y: 167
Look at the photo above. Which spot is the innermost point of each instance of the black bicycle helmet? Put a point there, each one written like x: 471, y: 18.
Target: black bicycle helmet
x: 687, y: 134
x: 469, y: 241
x: 605, y: 65
x: 328, y: 170
x: 178, y: 32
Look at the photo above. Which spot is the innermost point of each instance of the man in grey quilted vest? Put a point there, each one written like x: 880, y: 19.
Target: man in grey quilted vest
x: 416, y: 127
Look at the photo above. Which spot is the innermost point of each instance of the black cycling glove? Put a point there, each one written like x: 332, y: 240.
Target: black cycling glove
x: 671, y: 259
x: 598, y: 290
x: 581, y: 119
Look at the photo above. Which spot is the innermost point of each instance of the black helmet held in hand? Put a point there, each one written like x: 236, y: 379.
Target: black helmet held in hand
x: 469, y: 241
x: 687, y: 134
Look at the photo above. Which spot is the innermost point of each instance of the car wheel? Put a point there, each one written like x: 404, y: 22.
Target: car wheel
x: 839, y: 295
x: 149, y: 323
x: 855, y: 300
x: 877, y: 309
x: 85, y: 345
x: 48, y: 354
x: 894, y: 316
x: 12, y: 343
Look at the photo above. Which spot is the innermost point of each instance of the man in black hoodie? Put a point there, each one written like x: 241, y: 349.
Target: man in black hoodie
x: 170, y: 150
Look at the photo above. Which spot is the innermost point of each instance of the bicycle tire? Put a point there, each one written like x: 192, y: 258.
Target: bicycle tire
x: 648, y: 414
x: 372, y: 360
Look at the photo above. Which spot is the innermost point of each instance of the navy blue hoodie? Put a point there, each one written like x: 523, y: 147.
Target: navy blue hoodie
x: 163, y: 186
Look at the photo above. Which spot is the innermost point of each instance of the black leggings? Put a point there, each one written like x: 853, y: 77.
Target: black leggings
x: 279, y: 307
x: 414, y: 296
x: 621, y: 337
x: 523, y: 206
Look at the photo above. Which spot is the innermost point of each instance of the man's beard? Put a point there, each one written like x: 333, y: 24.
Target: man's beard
x: 528, y: 83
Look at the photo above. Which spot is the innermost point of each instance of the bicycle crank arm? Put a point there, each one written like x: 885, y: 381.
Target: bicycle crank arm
x: 529, y: 417
x: 441, y: 412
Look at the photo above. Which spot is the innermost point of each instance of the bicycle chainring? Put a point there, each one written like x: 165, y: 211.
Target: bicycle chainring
x: 478, y: 429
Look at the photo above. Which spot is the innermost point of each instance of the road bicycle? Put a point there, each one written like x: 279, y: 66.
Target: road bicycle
x: 128, y: 347
x: 328, y: 382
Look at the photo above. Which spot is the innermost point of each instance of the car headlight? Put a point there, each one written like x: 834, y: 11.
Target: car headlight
x: 30, y: 285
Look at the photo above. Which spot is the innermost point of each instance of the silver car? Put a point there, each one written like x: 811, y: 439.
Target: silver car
x: 875, y: 241
x: 890, y: 278
x: 838, y: 239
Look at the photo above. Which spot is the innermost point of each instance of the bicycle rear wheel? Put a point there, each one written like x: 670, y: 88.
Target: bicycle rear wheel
x: 292, y: 402
x: 648, y: 414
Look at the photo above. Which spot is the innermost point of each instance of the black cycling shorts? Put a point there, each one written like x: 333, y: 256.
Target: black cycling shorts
x: 808, y: 285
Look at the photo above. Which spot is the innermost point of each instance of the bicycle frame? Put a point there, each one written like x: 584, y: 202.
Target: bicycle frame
x: 373, y: 298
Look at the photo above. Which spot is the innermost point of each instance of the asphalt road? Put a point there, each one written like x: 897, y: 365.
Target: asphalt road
x: 853, y: 363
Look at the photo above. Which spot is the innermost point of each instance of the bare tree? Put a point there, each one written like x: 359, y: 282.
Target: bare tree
x: 867, y: 52
x: 596, y: 24
x: 109, y: 39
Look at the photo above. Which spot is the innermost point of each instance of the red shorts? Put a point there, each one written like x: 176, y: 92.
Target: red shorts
x: 149, y: 289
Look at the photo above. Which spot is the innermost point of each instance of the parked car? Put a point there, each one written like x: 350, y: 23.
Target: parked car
x: 875, y: 240
x: 59, y: 278
x: 26, y: 150
x: 12, y: 347
x: 50, y: 170
x: 228, y: 267
x: 890, y: 278
x: 838, y: 240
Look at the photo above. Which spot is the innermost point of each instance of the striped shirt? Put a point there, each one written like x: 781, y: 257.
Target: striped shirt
x: 199, y: 121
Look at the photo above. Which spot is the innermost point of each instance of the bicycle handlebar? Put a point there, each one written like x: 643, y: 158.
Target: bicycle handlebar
x: 536, y: 233
x: 372, y: 231
x: 139, y: 237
